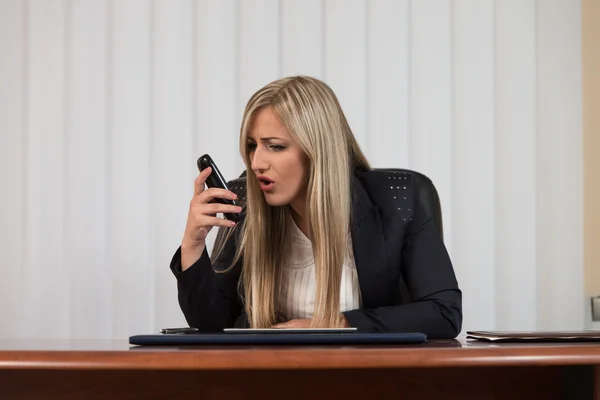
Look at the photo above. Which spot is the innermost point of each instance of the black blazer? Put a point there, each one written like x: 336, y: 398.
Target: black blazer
x: 406, y: 278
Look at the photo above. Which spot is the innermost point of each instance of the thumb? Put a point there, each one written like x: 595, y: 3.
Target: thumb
x: 200, y: 180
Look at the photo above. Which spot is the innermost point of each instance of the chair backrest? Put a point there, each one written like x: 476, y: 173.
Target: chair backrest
x: 427, y: 194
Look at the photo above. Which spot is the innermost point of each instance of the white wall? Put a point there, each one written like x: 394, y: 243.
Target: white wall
x: 105, y: 106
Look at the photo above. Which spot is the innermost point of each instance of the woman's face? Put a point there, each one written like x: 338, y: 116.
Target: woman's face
x: 278, y: 162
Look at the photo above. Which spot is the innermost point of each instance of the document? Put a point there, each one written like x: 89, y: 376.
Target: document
x: 541, y: 336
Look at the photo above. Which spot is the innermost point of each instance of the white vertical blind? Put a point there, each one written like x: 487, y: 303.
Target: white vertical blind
x: 45, y: 279
x: 388, y: 77
x: 431, y: 98
x: 13, y: 59
x: 559, y: 165
x: 171, y: 165
x: 259, y: 50
x: 472, y: 153
x: 345, y: 60
x: 86, y: 162
x: 105, y: 106
x: 130, y: 137
x: 301, y: 38
x: 515, y: 123
x: 217, y: 72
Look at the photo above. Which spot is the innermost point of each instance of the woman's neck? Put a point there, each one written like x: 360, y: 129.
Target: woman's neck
x: 300, y: 218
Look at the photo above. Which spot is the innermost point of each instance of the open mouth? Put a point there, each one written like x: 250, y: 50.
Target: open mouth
x: 265, y: 183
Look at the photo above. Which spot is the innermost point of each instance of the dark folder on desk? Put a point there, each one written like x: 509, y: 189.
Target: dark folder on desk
x: 282, y: 339
x: 532, y: 336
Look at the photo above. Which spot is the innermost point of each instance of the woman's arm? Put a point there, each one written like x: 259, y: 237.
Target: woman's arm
x: 209, y: 299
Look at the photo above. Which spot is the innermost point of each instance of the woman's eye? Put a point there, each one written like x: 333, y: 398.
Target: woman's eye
x: 276, y: 147
x: 251, y: 146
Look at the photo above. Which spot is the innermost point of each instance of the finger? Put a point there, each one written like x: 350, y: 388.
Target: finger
x: 214, y: 221
x: 199, y: 182
x: 214, y: 208
x: 216, y: 193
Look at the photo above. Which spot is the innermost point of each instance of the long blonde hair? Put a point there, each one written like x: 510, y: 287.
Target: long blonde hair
x: 312, y: 114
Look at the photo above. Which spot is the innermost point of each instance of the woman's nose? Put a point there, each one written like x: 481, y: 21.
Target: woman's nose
x: 259, y: 163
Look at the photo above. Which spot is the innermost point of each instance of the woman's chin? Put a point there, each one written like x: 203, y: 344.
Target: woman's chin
x: 275, y: 201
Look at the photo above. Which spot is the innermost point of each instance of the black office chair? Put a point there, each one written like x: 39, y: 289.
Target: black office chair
x: 427, y: 193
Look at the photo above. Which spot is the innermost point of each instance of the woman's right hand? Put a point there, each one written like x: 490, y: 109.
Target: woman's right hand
x: 202, y: 217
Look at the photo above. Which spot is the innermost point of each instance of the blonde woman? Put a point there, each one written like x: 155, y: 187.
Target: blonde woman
x: 321, y: 242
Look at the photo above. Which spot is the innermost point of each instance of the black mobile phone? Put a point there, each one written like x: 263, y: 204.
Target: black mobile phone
x: 178, y: 330
x: 215, y: 179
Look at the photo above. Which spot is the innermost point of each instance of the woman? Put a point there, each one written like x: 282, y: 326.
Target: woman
x: 323, y: 241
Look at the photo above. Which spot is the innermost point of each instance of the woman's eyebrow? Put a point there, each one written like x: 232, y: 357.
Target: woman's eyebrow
x: 265, y: 139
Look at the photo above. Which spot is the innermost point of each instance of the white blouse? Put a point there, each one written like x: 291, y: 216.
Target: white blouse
x: 297, y: 296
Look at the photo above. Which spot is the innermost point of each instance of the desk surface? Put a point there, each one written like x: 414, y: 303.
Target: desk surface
x: 103, y: 355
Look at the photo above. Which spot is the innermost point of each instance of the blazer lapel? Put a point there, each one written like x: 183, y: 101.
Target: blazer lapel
x: 369, y: 248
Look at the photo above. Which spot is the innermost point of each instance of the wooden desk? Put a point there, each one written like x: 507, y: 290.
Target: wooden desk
x: 439, y: 369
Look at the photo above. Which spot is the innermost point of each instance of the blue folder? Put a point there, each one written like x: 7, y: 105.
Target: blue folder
x: 284, y: 339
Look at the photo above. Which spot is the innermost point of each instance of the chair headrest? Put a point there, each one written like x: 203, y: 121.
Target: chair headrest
x: 428, y: 196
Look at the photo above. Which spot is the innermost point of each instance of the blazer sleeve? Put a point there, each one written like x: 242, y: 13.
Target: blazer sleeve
x: 436, y: 300
x: 209, y: 299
